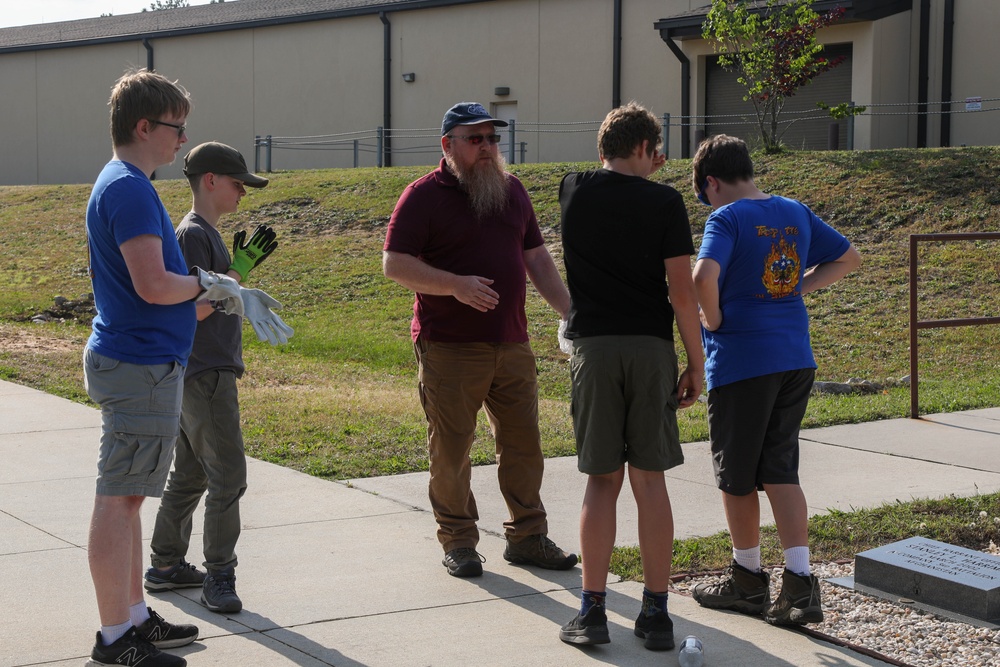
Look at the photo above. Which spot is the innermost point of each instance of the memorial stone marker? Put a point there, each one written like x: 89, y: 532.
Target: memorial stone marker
x: 942, y: 575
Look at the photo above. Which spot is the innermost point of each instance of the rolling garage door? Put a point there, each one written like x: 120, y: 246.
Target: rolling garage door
x: 725, y: 98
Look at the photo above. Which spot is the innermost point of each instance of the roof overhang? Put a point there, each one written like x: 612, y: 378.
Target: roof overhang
x: 200, y: 19
x: 688, y: 25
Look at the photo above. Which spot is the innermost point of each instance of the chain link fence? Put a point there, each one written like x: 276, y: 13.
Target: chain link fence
x: 383, y: 144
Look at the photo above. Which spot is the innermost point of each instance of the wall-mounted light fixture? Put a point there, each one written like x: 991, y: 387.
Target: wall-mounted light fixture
x: 409, y: 77
x: 500, y: 91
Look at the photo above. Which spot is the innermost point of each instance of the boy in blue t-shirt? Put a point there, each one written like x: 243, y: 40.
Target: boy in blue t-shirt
x: 759, y: 255
x: 134, y: 360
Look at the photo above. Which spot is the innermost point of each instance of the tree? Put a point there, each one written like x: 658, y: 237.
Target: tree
x: 772, y: 46
x: 157, y: 5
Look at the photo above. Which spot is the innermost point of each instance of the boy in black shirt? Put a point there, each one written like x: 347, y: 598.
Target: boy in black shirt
x: 625, y: 238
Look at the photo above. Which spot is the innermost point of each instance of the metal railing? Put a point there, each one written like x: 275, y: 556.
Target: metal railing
x: 917, y: 324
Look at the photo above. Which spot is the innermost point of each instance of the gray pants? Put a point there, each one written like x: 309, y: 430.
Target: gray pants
x: 209, y: 457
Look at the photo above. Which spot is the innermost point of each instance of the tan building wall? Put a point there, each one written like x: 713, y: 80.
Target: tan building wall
x: 325, y: 79
x: 975, y: 73
x: 19, y: 129
x: 891, y: 79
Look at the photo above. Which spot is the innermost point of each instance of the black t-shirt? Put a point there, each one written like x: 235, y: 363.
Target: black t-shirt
x: 616, y: 232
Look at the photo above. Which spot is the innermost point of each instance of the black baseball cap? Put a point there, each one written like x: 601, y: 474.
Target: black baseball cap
x: 217, y: 158
x: 467, y: 113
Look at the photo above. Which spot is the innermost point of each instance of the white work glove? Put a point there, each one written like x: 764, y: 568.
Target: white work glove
x: 268, y: 326
x: 565, y: 344
x: 221, y: 289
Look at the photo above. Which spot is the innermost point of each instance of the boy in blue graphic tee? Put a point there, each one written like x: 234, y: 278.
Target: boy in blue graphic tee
x: 759, y: 255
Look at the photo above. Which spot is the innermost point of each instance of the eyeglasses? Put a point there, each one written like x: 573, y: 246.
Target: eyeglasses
x: 476, y: 139
x: 180, y: 128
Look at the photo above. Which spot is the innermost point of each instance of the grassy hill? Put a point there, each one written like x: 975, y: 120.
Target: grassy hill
x: 339, y: 401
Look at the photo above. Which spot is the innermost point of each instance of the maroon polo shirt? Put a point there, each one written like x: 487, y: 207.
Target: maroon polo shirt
x: 434, y: 222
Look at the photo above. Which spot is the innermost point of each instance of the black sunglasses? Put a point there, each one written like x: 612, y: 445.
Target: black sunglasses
x: 476, y: 139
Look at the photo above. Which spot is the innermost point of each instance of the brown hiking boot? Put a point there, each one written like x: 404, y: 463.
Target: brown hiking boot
x: 742, y: 590
x: 538, y: 550
x: 798, y: 603
x: 464, y: 562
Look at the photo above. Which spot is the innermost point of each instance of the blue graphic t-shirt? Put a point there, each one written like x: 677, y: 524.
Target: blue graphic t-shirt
x: 123, y: 205
x: 763, y: 247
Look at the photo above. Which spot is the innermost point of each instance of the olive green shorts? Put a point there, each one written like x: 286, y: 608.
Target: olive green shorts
x: 624, y: 403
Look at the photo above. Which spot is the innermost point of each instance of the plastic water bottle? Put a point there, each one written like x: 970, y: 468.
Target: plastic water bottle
x: 692, y: 653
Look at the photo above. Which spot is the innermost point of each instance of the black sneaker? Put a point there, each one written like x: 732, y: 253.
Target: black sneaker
x: 166, y: 635
x: 131, y: 649
x: 742, y: 590
x: 657, y: 630
x: 219, y: 592
x: 182, y: 575
x: 798, y: 602
x: 587, y: 630
x: 538, y: 550
x: 464, y: 562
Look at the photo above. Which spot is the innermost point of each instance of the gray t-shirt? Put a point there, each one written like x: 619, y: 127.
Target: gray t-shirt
x: 218, y: 340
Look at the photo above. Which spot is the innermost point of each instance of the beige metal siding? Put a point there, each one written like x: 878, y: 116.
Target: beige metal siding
x: 974, y: 72
x: 555, y: 56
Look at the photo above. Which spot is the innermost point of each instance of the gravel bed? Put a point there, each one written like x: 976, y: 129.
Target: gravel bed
x: 902, y: 633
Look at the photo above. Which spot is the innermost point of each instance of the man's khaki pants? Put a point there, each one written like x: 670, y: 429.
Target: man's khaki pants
x: 456, y: 379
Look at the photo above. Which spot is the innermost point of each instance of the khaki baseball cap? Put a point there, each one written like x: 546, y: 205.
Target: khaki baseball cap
x: 217, y: 158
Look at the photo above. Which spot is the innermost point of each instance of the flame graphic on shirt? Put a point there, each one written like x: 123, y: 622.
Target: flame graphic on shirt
x: 781, y: 269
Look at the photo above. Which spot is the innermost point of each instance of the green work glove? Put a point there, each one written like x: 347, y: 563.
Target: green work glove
x: 248, y: 254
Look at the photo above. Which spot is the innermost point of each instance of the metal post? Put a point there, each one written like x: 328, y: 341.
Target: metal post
x: 666, y: 134
x: 267, y: 155
x: 524, y: 147
x: 355, y: 153
x: 512, y: 139
x: 256, y: 153
x: 833, y: 136
x: 850, y: 128
x: 378, y: 146
x: 914, y: 403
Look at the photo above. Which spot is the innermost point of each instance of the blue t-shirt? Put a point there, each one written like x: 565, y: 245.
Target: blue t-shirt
x: 763, y: 247
x: 124, y: 204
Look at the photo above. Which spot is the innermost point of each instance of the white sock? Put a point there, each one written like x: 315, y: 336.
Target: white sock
x: 797, y: 560
x: 112, y: 633
x: 139, y: 613
x: 748, y: 558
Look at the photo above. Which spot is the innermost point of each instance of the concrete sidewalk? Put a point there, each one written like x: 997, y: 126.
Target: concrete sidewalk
x: 350, y: 575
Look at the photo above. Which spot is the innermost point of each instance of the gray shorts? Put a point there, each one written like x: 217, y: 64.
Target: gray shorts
x: 753, y: 426
x: 624, y: 403
x: 141, y: 407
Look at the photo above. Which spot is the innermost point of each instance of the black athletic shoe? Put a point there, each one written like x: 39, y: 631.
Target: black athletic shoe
x: 464, y: 562
x: 166, y: 635
x: 219, y: 592
x: 657, y: 630
x: 131, y: 649
x: 587, y: 630
x: 182, y: 575
x: 742, y: 590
